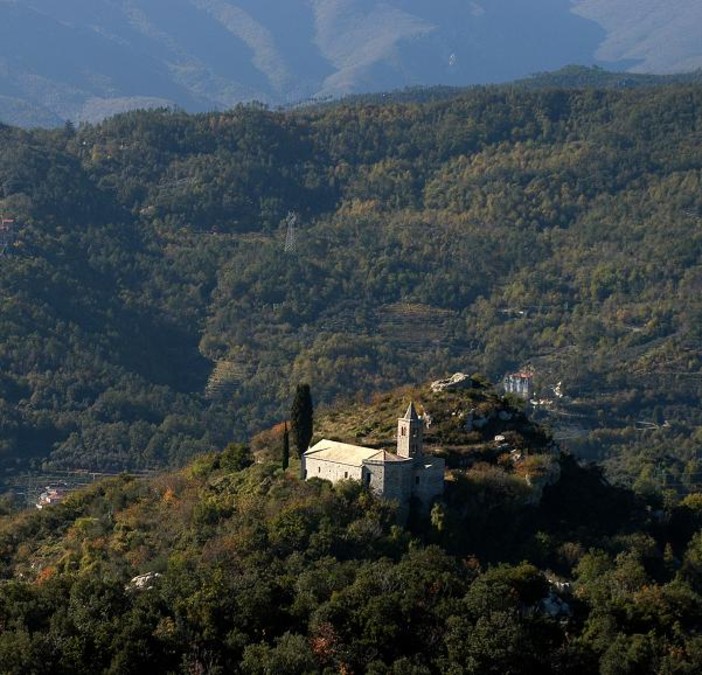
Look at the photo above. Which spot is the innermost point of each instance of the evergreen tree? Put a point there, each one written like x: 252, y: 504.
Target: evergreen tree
x: 301, y: 415
x: 286, y: 447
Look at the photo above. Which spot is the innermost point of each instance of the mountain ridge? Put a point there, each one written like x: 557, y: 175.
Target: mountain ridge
x: 83, y: 60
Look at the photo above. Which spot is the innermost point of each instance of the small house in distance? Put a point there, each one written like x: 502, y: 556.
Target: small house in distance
x: 520, y: 384
x: 52, y: 495
x: 401, y: 476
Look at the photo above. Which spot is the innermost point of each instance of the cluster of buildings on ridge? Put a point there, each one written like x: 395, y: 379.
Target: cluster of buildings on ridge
x: 400, y: 476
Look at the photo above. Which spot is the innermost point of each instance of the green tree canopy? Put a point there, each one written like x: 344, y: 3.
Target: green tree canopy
x: 301, y: 418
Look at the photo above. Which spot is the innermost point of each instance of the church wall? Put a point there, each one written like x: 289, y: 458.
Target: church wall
x: 376, y: 477
x: 407, y: 477
x: 429, y: 481
x: 392, y: 480
x: 333, y: 471
x: 398, y: 481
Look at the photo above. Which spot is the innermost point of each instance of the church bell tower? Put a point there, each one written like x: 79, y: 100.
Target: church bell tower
x: 410, y: 430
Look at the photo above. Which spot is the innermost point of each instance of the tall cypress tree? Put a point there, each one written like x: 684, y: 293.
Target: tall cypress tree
x: 286, y: 447
x: 301, y: 415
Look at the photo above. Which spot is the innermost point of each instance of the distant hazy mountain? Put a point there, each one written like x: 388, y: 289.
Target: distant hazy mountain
x: 84, y: 59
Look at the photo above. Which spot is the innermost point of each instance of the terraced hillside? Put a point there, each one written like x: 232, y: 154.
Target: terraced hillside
x: 152, y: 308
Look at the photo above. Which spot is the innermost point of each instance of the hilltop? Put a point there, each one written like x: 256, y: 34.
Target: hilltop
x: 461, y: 424
x: 234, y: 565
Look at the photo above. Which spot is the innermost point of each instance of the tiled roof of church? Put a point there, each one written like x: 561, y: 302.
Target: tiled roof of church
x: 385, y: 456
x: 341, y: 453
x: 352, y: 455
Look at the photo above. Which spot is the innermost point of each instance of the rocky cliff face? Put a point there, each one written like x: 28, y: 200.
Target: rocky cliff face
x: 84, y: 59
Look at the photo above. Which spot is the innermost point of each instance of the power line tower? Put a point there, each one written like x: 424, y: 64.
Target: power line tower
x: 290, y: 235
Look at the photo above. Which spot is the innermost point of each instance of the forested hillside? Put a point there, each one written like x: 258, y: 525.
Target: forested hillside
x: 151, y: 310
x: 230, y: 566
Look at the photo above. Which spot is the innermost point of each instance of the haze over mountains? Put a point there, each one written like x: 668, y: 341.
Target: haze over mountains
x: 85, y: 59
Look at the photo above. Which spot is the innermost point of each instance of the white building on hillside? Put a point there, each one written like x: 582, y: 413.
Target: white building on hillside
x: 409, y: 473
x: 521, y: 384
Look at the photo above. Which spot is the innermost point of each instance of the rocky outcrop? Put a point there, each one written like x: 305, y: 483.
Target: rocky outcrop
x: 456, y: 381
x: 143, y: 582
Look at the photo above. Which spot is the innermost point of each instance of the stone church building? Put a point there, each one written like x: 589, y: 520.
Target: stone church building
x: 409, y: 473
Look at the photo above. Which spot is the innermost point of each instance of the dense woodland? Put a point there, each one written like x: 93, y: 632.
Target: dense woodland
x: 150, y: 310
x: 246, y: 569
